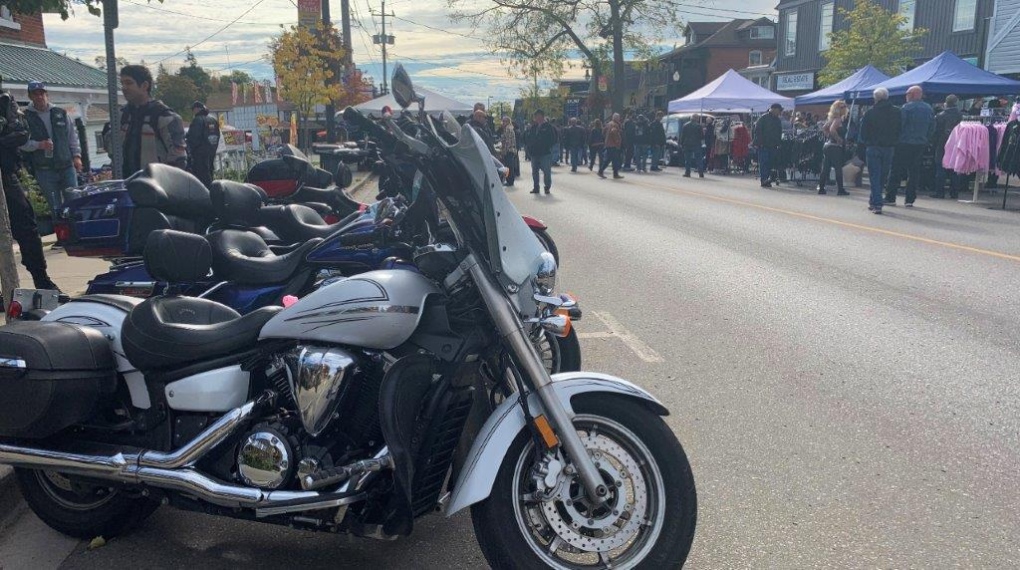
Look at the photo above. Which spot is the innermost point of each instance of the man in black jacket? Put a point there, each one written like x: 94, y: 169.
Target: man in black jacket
x: 540, y: 149
x: 945, y: 122
x: 768, y: 137
x: 629, y: 133
x: 691, y: 138
x: 573, y: 142
x: 203, y: 139
x: 880, y: 132
x: 14, y: 133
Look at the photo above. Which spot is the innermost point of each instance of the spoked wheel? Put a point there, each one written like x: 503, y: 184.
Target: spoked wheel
x: 82, y: 510
x: 648, y: 519
x: 559, y: 354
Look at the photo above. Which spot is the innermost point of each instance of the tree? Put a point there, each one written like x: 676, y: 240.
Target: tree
x: 308, y: 65
x: 176, y: 92
x: 197, y: 75
x: 101, y: 62
x: 873, y: 36
x: 537, y: 36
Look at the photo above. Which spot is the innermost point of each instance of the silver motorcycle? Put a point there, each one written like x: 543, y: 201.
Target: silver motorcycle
x: 366, y: 405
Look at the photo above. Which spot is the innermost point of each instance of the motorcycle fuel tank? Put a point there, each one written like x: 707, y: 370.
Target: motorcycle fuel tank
x: 378, y: 310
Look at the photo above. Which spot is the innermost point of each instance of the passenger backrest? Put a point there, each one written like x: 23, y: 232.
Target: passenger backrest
x: 177, y: 257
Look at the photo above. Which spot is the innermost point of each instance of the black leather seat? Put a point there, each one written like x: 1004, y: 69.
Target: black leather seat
x: 296, y: 223
x: 244, y: 258
x: 168, y: 331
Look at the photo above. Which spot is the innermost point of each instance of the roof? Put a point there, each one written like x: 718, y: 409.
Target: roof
x: 730, y: 92
x: 863, y: 78
x: 21, y: 64
x: 705, y: 28
x: 724, y: 34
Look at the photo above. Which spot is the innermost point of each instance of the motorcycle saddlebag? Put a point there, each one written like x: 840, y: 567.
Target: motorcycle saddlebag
x: 53, y: 375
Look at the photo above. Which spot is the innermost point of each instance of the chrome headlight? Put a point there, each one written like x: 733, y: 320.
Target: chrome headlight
x: 545, y: 277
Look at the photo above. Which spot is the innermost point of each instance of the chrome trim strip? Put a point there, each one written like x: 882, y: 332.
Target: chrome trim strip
x: 13, y: 362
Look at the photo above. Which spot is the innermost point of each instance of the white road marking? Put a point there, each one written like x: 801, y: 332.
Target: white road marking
x: 642, y: 350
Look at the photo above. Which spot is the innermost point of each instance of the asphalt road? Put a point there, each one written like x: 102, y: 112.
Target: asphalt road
x: 843, y: 383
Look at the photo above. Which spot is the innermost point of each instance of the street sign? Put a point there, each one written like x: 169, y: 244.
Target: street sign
x: 309, y: 12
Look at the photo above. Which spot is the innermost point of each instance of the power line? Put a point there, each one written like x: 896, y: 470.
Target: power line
x: 210, y: 36
x: 197, y: 17
x: 437, y: 29
x: 437, y: 64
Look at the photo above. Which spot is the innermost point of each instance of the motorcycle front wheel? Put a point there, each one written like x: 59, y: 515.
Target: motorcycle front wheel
x: 538, y: 516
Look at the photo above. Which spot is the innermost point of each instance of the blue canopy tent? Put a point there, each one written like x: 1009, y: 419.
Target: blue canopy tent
x: 947, y: 74
x: 864, y: 78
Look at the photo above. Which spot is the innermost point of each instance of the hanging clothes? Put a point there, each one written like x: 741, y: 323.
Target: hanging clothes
x: 1009, y: 151
x: 741, y: 142
x: 967, y: 150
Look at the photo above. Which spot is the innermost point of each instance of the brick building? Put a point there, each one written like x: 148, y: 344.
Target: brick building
x: 712, y: 48
x: 71, y: 84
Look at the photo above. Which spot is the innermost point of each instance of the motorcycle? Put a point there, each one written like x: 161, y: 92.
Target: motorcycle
x: 366, y: 405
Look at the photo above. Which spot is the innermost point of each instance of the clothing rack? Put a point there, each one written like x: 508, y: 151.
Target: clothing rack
x: 988, y: 120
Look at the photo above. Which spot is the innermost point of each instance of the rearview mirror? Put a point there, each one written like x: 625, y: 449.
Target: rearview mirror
x: 403, y: 89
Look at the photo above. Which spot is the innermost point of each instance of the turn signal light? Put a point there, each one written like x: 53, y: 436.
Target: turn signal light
x: 63, y: 232
x: 545, y: 430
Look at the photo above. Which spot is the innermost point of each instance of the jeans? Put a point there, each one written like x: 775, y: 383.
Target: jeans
x: 557, y: 153
x: 628, y: 156
x: 833, y: 158
x: 940, y: 179
x: 595, y: 151
x: 906, y: 164
x: 53, y: 182
x: 879, y: 159
x: 765, y: 164
x: 612, y: 156
x: 693, y: 158
x: 641, y: 157
x: 575, y: 158
x: 657, y: 150
x: 543, y: 164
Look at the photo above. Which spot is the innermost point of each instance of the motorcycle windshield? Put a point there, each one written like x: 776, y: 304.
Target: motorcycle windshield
x: 510, y: 239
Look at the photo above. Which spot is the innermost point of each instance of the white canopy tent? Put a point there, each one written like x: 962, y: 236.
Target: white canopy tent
x: 434, y: 103
x: 731, y: 93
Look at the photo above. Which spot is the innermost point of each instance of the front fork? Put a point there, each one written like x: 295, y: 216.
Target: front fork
x: 511, y: 328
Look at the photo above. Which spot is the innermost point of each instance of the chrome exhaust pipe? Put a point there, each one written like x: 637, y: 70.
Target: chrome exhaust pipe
x: 163, y: 470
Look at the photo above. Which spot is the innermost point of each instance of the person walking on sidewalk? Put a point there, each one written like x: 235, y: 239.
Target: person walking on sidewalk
x: 691, y: 138
x: 614, y: 146
x: 917, y: 124
x: 768, y: 138
x: 508, y: 142
x: 203, y: 139
x: 14, y: 133
x: 834, y: 149
x: 657, y: 140
x: 53, y: 147
x: 540, y: 147
x: 596, y: 145
x: 945, y: 122
x: 641, y: 143
x: 880, y: 131
x: 629, y: 131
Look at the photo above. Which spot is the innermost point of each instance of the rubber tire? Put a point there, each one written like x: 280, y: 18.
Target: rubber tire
x: 570, y: 352
x: 547, y: 242
x: 116, y: 517
x: 501, y: 541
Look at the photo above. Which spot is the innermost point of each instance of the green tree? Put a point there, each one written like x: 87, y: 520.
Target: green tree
x: 200, y: 77
x: 101, y: 62
x: 537, y: 36
x: 176, y: 92
x: 873, y: 36
x: 307, y: 63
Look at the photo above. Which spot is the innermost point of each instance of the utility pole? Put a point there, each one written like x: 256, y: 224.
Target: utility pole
x: 384, y: 40
x: 110, y: 22
x: 330, y: 111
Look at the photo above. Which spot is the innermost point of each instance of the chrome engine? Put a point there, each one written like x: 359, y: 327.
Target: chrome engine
x: 266, y: 459
x: 318, y: 377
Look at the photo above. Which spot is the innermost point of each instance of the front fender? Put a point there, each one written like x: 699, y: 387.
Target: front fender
x: 534, y: 223
x: 490, y: 447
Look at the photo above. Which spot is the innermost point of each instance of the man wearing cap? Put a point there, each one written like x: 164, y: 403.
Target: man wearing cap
x: 53, y: 146
x: 13, y: 134
x: 768, y: 138
x: 203, y: 139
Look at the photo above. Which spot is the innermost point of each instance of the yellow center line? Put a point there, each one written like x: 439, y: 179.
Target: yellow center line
x: 872, y: 229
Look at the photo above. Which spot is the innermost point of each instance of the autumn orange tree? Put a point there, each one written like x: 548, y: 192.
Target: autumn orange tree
x: 308, y: 63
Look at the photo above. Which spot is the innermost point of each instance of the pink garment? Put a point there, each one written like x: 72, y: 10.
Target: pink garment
x: 967, y: 149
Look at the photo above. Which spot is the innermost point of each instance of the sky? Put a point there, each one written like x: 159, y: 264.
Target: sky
x: 232, y: 34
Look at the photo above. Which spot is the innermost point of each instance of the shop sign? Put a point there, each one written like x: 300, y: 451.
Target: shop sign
x: 309, y: 12
x: 795, y: 82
